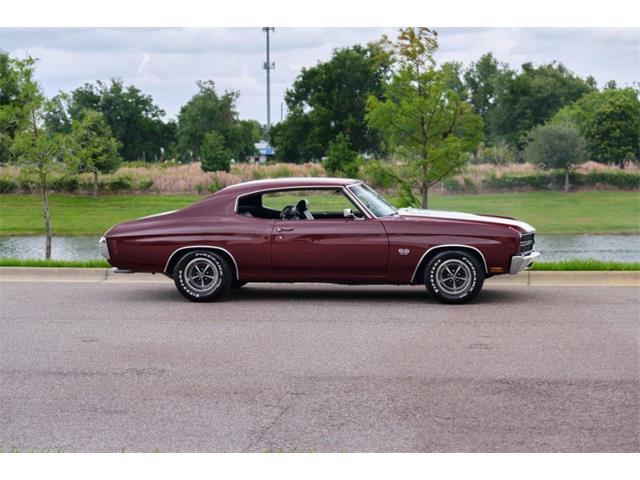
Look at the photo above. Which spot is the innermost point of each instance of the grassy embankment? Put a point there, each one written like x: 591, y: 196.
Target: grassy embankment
x: 567, y: 265
x: 549, y: 212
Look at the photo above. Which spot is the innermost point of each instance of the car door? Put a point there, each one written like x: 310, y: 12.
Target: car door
x: 336, y: 249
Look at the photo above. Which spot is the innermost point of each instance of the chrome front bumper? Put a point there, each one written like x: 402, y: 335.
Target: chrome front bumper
x: 103, y: 248
x: 520, y: 262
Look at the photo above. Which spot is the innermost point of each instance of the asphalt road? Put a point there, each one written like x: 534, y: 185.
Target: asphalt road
x: 306, y: 368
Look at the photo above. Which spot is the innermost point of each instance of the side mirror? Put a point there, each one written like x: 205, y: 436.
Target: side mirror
x: 347, y: 213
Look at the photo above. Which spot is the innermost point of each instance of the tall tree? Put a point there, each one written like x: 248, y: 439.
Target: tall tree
x: 609, y: 121
x: 95, y: 148
x: 11, y: 104
x: 34, y: 148
x: 133, y: 117
x: 556, y: 145
x: 486, y: 80
x: 421, y: 117
x: 330, y: 98
x: 533, y: 96
x: 207, y: 111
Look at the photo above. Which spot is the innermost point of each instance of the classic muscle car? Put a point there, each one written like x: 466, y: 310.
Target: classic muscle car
x: 330, y: 230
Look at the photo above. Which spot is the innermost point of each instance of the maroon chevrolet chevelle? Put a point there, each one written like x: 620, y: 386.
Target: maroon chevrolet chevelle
x: 318, y: 230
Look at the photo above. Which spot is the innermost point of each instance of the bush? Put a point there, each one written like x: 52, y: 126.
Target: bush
x: 216, y: 156
x: 554, y: 179
x: 8, y: 185
x: 116, y: 184
x: 623, y: 180
x: 28, y: 184
x: 214, y: 186
x: 540, y: 181
x: 65, y: 184
x: 145, y: 184
x: 451, y: 185
x: 469, y: 185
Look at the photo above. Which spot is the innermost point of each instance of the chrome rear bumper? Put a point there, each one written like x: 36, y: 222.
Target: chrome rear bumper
x: 520, y: 262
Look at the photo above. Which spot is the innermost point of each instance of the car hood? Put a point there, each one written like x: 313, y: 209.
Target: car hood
x: 468, y: 217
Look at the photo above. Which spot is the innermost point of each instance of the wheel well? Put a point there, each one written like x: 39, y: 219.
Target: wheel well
x: 419, y: 273
x: 181, y: 252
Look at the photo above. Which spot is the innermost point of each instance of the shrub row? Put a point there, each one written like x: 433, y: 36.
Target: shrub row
x: 552, y: 180
x: 69, y: 184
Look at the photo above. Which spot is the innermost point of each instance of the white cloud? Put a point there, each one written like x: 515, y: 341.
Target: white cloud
x: 166, y: 63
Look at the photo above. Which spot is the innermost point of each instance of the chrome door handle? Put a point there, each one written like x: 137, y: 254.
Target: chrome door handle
x: 284, y: 229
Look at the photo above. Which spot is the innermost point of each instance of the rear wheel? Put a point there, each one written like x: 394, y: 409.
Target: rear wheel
x: 202, y: 276
x: 454, y: 276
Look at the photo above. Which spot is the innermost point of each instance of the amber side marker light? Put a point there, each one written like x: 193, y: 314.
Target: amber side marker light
x: 496, y: 269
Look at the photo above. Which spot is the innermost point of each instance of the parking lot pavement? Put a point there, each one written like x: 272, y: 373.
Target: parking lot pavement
x: 134, y: 367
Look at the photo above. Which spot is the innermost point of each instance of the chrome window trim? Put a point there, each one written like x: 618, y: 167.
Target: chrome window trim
x: 343, y: 188
x: 213, y: 247
x: 454, y: 245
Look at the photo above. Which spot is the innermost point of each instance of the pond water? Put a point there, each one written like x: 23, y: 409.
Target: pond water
x: 623, y: 248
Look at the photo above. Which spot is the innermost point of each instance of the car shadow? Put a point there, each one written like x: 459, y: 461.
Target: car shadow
x: 347, y: 294
x: 368, y: 294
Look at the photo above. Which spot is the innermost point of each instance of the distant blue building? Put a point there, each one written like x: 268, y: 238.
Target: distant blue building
x: 265, y: 152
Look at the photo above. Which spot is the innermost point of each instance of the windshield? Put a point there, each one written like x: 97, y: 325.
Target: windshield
x: 374, y: 202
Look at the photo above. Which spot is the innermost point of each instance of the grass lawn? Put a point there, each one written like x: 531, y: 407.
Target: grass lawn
x: 549, y: 212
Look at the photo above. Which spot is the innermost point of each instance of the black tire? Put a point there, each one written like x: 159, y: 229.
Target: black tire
x: 236, y: 284
x: 202, y: 276
x: 455, y: 288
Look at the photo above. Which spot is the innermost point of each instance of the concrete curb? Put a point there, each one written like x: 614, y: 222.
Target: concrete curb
x: 36, y: 274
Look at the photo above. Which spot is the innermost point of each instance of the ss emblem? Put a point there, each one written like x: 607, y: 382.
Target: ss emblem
x: 404, y: 251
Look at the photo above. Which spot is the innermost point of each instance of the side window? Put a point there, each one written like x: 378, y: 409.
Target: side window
x: 322, y: 203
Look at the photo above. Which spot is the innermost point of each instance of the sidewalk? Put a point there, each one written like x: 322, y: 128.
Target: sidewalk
x: 94, y: 275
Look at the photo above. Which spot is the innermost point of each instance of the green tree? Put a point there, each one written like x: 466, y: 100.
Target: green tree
x: 556, y: 145
x: 422, y: 118
x: 206, y: 112
x: 330, y: 98
x: 341, y: 159
x: 11, y: 104
x: 609, y: 121
x: 133, y: 117
x: 486, y: 81
x: 533, y: 96
x: 244, y: 136
x: 34, y: 148
x: 57, y: 118
x: 214, y: 153
x: 94, y: 147
x: 293, y: 140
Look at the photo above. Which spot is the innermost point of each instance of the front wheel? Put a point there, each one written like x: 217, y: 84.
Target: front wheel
x: 454, y: 276
x: 202, y: 276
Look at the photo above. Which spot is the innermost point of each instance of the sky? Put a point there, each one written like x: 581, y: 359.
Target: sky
x: 167, y: 62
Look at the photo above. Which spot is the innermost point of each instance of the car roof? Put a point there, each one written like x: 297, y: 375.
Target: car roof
x: 291, y: 182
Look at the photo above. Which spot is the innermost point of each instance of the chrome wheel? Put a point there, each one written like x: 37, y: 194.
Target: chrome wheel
x: 453, y: 276
x: 201, y: 275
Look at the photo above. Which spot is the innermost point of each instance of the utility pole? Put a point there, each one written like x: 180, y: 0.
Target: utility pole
x: 268, y: 66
